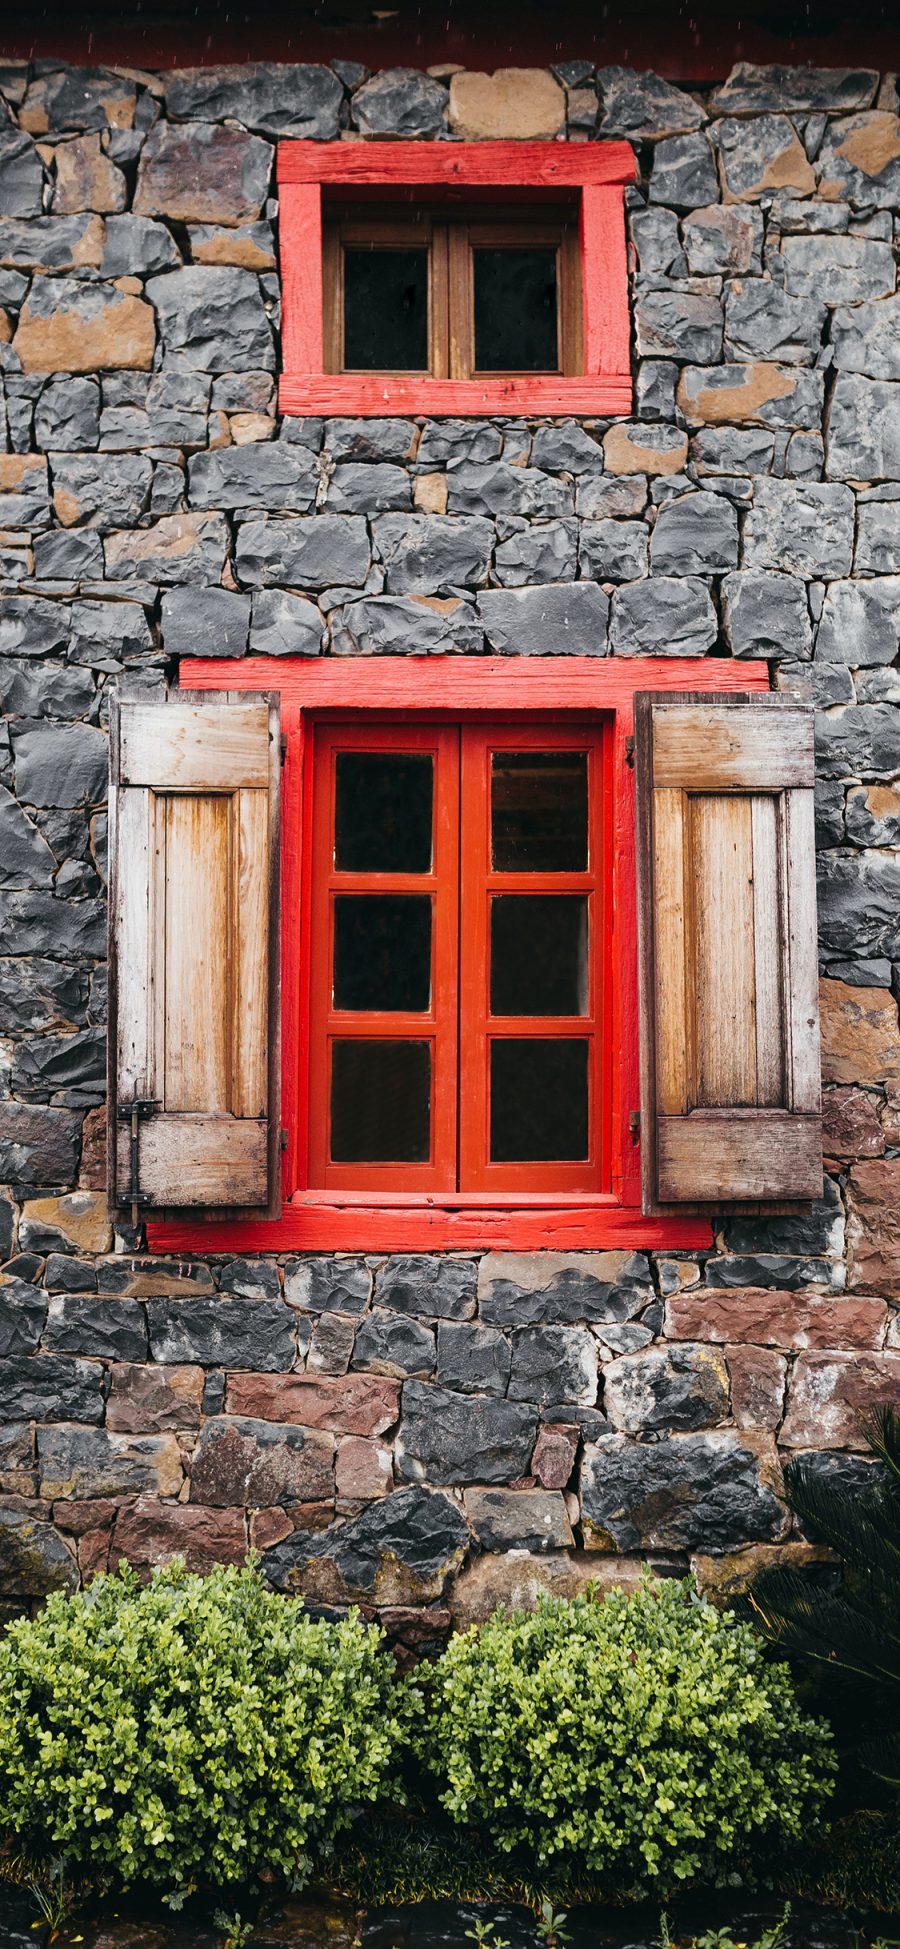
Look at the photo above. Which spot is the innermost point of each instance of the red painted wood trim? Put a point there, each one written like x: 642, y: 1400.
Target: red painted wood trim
x: 604, y: 284
x: 301, y: 291
x: 491, y: 164
x: 454, y: 686
x: 346, y: 393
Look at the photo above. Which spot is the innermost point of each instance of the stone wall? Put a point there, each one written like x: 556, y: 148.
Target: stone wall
x: 429, y: 1434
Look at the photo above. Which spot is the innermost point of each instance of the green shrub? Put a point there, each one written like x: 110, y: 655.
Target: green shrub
x: 191, y: 1732
x: 647, y: 1737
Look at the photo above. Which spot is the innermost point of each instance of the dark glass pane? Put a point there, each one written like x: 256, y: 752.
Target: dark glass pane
x: 539, y: 1100
x: 515, y: 310
x: 382, y: 950
x: 386, y: 310
x: 383, y: 811
x: 380, y: 1102
x: 539, y: 811
x: 539, y: 950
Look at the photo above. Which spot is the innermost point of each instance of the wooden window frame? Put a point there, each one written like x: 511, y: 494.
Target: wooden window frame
x: 554, y: 688
x: 465, y: 175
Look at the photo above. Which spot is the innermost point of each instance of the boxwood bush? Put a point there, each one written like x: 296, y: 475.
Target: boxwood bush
x: 190, y: 1732
x: 648, y: 1737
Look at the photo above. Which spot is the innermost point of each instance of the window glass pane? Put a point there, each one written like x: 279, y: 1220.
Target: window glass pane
x: 383, y: 811
x: 380, y: 1102
x: 515, y: 310
x: 539, y: 1100
x: 386, y: 310
x: 539, y: 954
x: 382, y: 950
x: 539, y: 811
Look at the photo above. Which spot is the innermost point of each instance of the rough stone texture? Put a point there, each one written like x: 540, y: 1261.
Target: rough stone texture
x: 696, y: 1492
x: 401, y: 101
x: 766, y: 614
x: 448, y: 1439
x: 400, y: 1551
x: 762, y: 156
x: 643, y: 104
x: 272, y: 98
x: 65, y: 326
x: 686, y: 1388
x: 804, y: 528
x: 511, y: 102
x: 202, y: 172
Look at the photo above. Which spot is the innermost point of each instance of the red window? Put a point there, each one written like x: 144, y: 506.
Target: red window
x: 458, y: 928
x: 473, y: 235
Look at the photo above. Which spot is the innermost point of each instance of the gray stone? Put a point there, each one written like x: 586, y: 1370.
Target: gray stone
x: 371, y: 440
x: 838, y: 270
x: 137, y: 247
x: 105, y: 634
x: 766, y: 615
x: 250, y: 1279
x: 362, y: 487
x: 657, y: 242
x: 860, y: 160
x: 25, y: 503
x: 666, y: 1388
x: 406, y: 625
x: 400, y: 1550
x: 400, y: 101
x: 110, y: 1329
x: 394, y: 1344
x: 71, y: 1069
x: 764, y: 395
x: 34, y: 1559
x: 860, y: 622
x: 724, y: 239
x: 863, y: 429
x: 177, y: 404
x: 662, y: 616
x: 273, y: 98
x: 761, y: 156
x: 820, y: 1230
x: 642, y: 104
x: 763, y: 322
x: 435, y: 1288
x: 810, y: 217
x: 204, y: 622
x: 178, y: 548
x: 445, y: 440
x: 308, y: 552
x: 800, y: 526
x: 686, y: 1492
x: 432, y: 554
x: 695, y: 534
x: 51, y: 243
x: 499, y: 488
x: 80, y: 98
x: 67, y: 416
x: 212, y: 319
x: 805, y: 456
x: 201, y: 173
x: 50, y: 1387
x: 614, y: 551
x: 328, y: 1285
x: 519, y: 1519
x: 82, y: 1463
x: 684, y: 173
x: 43, y: 924
x: 23, y: 1312
x: 553, y: 1364
x: 557, y: 619
x: 41, y: 994
x: 566, y: 448
x: 248, y: 1334
x: 31, y: 626
x: 451, y: 1438
x: 829, y: 804
x: 859, y: 901
x: 607, y: 497
x: 25, y: 857
x: 752, y: 89
x: 261, y: 1464
x: 732, y: 450
x: 472, y: 1359
x: 672, y: 322
x: 63, y: 765
x: 284, y: 625
x: 268, y: 475
x: 331, y: 1344
x: 857, y: 740
x: 877, y: 539
x: 550, y: 1288
x: 21, y: 175
x: 873, y: 816
x: 66, y: 554
x: 866, y: 338
x: 538, y: 551
x: 100, y: 490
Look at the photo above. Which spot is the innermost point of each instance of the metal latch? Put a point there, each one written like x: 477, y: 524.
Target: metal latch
x: 132, y: 1113
x: 634, y: 1126
x: 629, y: 753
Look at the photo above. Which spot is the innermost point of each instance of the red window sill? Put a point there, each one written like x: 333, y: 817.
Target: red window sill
x: 332, y: 1222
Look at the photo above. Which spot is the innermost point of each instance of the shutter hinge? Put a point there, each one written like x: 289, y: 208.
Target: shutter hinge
x: 133, y: 1113
x: 629, y: 752
x: 283, y: 745
x: 284, y: 1138
x: 634, y: 1126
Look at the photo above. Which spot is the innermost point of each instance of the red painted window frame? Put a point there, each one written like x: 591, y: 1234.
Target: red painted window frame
x: 490, y: 687
x: 596, y: 171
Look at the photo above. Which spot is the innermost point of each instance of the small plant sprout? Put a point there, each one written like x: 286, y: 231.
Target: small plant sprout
x: 484, y: 1934
x: 551, y: 1927
x: 235, y: 1930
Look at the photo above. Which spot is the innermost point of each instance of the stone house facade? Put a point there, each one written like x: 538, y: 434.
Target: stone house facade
x: 428, y: 1433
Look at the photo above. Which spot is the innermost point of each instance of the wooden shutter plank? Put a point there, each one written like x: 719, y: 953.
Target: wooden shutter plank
x: 803, y: 981
x: 768, y: 970
x: 716, y: 1156
x: 198, y: 938
x: 172, y: 747
x: 130, y: 913
x: 251, y: 976
x: 713, y: 749
x: 672, y: 1009
x: 200, y: 1160
x: 721, y: 876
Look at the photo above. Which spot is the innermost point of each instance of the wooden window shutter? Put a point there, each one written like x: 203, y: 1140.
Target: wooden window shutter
x: 194, y: 955
x: 730, y: 1072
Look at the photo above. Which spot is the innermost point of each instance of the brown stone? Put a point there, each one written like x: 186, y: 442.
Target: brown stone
x: 363, y: 1469
x: 242, y: 1462
x: 757, y: 1377
x: 149, y: 1279
x: 513, y: 102
x: 80, y: 1218
x: 147, y: 1399
x: 249, y: 245
x: 430, y: 493
x: 554, y: 1454
x: 860, y: 1036
x: 151, y: 1532
x: 90, y: 1461
x: 850, y: 1126
x: 246, y: 429
x: 729, y: 1576
x: 92, y: 1175
x: 93, y: 1553
x: 632, y: 449
x: 75, y: 1518
x: 86, y: 179
x: 869, y: 143
x: 830, y: 1394
x: 517, y: 1579
x: 74, y: 327
x: 24, y: 491
x: 268, y: 1527
x: 778, y: 1319
x: 179, y: 548
x: 77, y: 98
x: 202, y: 172
x: 738, y: 394
x: 350, y: 1404
x: 873, y: 1229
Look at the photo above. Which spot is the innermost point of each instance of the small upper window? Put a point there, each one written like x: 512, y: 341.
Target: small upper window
x: 490, y: 292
